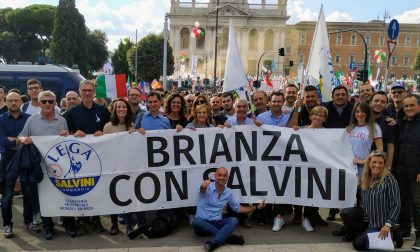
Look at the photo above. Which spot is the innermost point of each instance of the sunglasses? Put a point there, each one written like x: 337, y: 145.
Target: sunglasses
x: 201, y: 101
x: 376, y: 153
x: 190, y: 101
x: 397, y: 92
x: 47, y: 101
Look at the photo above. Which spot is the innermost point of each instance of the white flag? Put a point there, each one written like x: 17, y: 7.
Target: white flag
x: 194, y: 60
x: 234, y: 72
x: 319, y: 70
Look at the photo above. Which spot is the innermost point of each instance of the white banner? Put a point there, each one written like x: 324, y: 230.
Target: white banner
x: 122, y: 172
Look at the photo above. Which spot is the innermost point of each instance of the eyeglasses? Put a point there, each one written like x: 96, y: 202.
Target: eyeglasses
x: 133, y: 95
x: 397, y: 92
x: 201, y: 101
x: 190, y: 101
x: 87, y: 90
x: 47, y: 101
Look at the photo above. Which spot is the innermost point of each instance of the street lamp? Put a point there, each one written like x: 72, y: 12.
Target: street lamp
x: 281, y: 53
x: 215, y: 44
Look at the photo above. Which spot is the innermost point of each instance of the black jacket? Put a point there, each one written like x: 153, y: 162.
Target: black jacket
x: 26, y: 163
x: 336, y: 120
x: 407, y: 160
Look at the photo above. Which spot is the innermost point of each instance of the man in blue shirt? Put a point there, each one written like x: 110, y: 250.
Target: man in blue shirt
x: 275, y: 116
x: 210, y: 204
x: 11, y: 124
x: 152, y: 119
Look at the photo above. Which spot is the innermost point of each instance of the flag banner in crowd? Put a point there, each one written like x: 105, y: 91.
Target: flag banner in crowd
x: 123, y: 172
x: 194, y: 63
x: 111, y: 86
x: 319, y: 71
x: 235, y: 76
x: 156, y: 84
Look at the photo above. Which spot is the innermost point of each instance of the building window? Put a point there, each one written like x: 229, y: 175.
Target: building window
x: 406, y: 60
x: 381, y: 40
x: 288, y: 49
x: 253, y: 40
x: 337, y: 59
x: 185, y: 38
x: 302, y: 37
x: 268, y: 40
x: 394, y: 60
x: 339, y: 39
x: 408, y: 40
x: 353, y: 40
x: 301, y: 58
x: 351, y: 59
x: 367, y: 38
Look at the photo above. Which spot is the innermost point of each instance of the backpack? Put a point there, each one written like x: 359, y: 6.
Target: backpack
x: 162, y: 226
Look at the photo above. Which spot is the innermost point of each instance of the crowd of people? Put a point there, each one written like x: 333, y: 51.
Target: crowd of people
x: 383, y: 128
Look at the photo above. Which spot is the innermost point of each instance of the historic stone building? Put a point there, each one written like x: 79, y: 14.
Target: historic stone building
x: 348, y: 46
x: 259, y: 27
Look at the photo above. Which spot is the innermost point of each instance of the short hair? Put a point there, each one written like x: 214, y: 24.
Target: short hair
x: 241, y: 100
x: 88, y: 82
x: 46, y: 93
x: 309, y: 88
x: 413, y: 95
x: 292, y: 85
x: 258, y: 92
x: 203, y: 106
x: 32, y: 82
x: 228, y: 94
x: 338, y: 88
x: 319, y: 109
x: 366, y: 84
x: 277, y: 93
x: 380, y: 92
x: 133, y: 88
x: 14, y: 90
x: 153, y: 93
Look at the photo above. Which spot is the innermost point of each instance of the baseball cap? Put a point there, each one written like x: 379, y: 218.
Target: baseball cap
x: 397, y: 85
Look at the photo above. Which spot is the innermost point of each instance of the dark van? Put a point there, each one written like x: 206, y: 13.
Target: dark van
x: 58, y: 79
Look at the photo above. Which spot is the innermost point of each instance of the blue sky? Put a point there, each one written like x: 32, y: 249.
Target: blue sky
x: 120, y: 18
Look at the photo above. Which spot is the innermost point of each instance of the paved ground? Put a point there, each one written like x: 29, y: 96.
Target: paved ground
x: 259, y: 238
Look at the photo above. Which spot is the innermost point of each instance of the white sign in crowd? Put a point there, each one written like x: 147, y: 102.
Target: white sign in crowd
x: 123, y: 172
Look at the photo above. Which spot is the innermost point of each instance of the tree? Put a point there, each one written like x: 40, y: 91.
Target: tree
x: 97, y: 51
x: 68, y: 45
x: 150, y: 58
x: 417, y: 62
x: 119, y: 59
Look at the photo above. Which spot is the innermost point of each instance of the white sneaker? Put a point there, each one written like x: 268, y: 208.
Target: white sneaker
x: 7, y: 231
x: 306, y: 224
x: 37, y: 219
x: 278, y: 224
x: 191, y: 219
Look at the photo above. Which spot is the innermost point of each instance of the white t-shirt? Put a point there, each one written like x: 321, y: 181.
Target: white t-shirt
x: 31, y: 110
x: 360, y: 141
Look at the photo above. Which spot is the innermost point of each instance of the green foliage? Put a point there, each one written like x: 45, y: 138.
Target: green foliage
x: 150, y: 58
x: 119, y: 59
x: 97, y: 51
x: 24, y: 33
x: 68, y: 45
x: 417, y: 61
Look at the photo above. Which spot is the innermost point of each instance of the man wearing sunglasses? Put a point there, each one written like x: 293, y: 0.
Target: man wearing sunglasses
x: 45, y: 123
x: 398, y: 92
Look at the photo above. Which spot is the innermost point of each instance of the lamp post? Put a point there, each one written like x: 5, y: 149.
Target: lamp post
x: 258, y: 66
x: 366, y: 50
x: 165, y: 51
x: 215, y: 44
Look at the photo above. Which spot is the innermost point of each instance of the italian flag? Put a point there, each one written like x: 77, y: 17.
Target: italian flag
x: 111, y: 86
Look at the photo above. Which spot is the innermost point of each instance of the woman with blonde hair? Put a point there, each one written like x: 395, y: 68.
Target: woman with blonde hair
x: 200, y: 117
x: 380, y: 203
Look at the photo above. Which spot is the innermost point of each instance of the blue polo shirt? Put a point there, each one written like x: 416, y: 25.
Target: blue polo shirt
x: 233, y: 121
x: 88, y: 120
x: 149, y: 122
x: 10, y: 127
x: 210, y: 205
x: 268, y: 118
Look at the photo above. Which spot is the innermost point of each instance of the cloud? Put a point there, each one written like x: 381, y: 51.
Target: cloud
x: 14, y: 3
x: 297, y: 13
x: 146, y: 16
x: 411, y: 16
x: 339, y: 17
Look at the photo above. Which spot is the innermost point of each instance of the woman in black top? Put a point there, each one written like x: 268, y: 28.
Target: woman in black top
x: 175, y: 108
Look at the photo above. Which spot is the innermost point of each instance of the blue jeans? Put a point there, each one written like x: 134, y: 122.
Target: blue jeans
x: 220, y: 229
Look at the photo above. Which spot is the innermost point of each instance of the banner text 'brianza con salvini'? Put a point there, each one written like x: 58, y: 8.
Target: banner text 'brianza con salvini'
x: 125, y: 172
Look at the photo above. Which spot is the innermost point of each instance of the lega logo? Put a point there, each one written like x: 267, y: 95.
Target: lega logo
x: 73, y: 167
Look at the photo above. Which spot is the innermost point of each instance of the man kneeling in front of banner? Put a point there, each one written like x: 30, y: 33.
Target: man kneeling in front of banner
x: 212, y: 199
